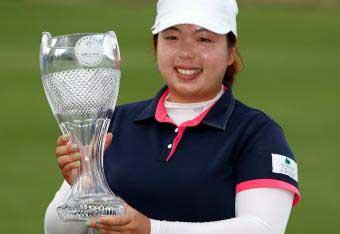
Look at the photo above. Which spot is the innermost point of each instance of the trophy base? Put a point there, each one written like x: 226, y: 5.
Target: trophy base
x: 84, y: 207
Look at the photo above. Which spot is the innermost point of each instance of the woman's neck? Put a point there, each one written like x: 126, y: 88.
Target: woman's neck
x: 192, y: 100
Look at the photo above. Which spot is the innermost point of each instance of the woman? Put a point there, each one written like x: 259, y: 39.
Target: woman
x: 192, y: 159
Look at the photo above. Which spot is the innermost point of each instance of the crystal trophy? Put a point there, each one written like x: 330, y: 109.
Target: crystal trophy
x: 81, y: 75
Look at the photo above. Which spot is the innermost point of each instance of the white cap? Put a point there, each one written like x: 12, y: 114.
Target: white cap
x: 218, y: 16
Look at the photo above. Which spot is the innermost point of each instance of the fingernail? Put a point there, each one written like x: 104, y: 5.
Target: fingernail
x: 76, y: 155
x: 66, y: 136
x: 74, y: 147
x: 88, y: 223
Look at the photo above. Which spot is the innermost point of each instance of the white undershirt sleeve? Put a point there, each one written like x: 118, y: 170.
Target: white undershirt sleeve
x: 52, y: 223
x: 258, y: 211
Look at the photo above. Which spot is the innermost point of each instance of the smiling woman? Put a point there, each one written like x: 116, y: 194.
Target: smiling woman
x: 192, y: 159
x: 193, y: 61
x: 217, y: 53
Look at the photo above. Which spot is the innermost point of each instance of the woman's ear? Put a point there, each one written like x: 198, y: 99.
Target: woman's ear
x: 231, y: 56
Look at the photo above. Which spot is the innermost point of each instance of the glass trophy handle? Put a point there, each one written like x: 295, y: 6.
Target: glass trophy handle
x: 111, y: 47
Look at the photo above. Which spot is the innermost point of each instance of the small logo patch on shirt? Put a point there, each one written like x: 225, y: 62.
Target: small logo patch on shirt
x: 285, y: 165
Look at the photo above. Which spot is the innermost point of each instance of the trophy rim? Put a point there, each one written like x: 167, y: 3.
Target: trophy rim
x: 76, y: 34
x: 82, y: 34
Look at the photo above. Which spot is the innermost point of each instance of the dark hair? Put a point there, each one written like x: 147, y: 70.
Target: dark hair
x: 233, y: 69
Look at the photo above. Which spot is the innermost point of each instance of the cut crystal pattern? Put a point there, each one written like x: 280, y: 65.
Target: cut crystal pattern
x: 82, y: 92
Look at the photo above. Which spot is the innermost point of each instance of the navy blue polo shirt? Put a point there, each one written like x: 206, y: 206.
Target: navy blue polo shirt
x: 192, y: 172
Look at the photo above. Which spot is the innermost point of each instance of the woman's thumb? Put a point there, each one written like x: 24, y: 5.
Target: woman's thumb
x: 108, y: 140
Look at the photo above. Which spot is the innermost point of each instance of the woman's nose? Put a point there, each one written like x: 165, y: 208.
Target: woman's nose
x: 186, y: 51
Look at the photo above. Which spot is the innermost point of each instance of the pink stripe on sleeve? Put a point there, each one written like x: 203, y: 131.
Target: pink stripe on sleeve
x: 269, y: 183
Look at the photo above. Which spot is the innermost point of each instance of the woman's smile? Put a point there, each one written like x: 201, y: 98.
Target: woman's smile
x: 187, y: 73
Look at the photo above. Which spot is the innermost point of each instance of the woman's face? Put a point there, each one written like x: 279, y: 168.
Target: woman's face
x: 193, y: 61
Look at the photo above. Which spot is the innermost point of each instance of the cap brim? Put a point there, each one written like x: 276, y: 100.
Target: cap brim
x: 160, y: 26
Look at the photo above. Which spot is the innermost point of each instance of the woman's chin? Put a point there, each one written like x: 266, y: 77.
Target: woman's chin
x: 185, y: 94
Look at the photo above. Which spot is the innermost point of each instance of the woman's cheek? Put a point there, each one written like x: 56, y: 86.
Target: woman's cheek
x: 165, y: 59
x: 164, y: 67
x: 216, y: 59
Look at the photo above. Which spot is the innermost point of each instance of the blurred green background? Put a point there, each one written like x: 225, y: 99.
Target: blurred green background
x: 291, y: 52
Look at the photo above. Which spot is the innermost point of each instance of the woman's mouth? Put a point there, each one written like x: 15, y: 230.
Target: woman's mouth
x: 187, y: 73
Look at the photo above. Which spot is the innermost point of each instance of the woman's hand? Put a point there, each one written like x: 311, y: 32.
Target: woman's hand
x: 68, y: 156
x: 132, y: 222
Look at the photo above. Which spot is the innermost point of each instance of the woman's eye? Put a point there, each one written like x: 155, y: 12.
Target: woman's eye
x: 171, y: 38
x: 203, y: 39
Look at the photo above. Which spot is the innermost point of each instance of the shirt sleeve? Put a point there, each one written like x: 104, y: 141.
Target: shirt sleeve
x: 267, y: 161
x: 52, y: 223
x: 258, y: 211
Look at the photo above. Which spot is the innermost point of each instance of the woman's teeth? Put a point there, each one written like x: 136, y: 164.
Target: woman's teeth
x: 188, y: 72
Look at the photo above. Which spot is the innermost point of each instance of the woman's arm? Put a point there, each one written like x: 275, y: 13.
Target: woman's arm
x: 52, y: 223
x: 68, y: 159
x: 258, y: 211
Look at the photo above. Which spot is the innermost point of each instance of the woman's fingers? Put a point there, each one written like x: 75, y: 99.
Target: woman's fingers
x: 68, y: 156
x: 62, y: 140
x: 115, y: 220
x: 66, y: 159
x: 66, y: 149
x: 69, y: 166
x: 111, y: 223
x: 110, y: 229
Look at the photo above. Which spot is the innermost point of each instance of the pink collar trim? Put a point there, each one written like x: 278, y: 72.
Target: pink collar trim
x: 162, y: 116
